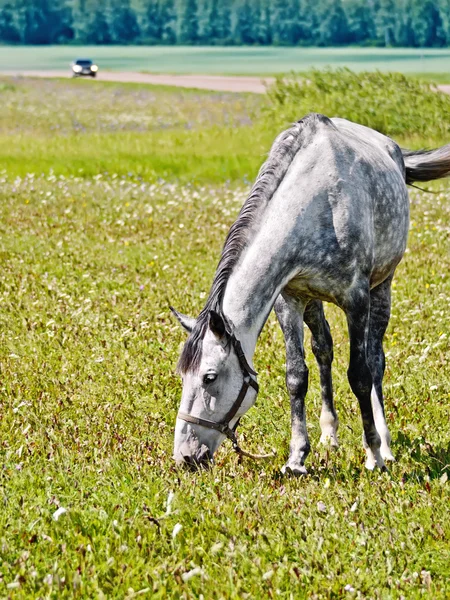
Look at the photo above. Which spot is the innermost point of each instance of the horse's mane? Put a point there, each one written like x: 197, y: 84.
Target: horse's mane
x: 272, y: 172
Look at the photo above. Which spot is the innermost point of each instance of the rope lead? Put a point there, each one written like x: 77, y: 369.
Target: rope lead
x: 241, y: 452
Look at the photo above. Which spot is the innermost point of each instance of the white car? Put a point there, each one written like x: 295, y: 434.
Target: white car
x: 83, y: 67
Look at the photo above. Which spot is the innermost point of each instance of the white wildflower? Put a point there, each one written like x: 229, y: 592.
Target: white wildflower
x: 176, y: 530
x: 14, y: 585
x: 60, y: 511
x: 170, y: 498
x: 192, y: 573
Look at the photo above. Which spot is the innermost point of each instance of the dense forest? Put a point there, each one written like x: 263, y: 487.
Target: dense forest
x: 413, y: 23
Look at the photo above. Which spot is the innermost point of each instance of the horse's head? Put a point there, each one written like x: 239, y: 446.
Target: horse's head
x: 219, y: 386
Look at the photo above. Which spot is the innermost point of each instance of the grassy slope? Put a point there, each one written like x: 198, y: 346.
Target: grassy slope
x: 74, y: 127
x: 84, y: 128
x: 88, y: 393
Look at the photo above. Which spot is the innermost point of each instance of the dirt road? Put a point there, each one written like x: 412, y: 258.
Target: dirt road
x: 218, y: 83
x: 206, y: 82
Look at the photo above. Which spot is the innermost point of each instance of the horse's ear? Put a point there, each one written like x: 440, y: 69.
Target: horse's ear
x: 216, y: 324
x: 187, y: 323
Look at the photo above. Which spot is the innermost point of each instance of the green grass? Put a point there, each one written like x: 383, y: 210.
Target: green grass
x: 88, y: 392
x: 89, y: 397
x: 382, y: 101
x: 231, y: 60
x: 75, y: 128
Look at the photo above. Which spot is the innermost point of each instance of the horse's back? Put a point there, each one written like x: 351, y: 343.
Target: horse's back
x: 343, y: 205
x: 375, y: 139
x: 382, y: 177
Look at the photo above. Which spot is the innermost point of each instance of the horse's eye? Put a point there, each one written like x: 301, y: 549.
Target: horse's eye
x: 209, y: 378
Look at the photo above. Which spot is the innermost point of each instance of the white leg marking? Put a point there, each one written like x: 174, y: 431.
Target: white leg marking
x: 328, y: 425
x: 382, y: 428
x: 299, y: 440
x: 373, y: 458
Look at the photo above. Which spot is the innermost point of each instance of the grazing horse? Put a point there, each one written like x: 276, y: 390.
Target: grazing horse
x: 326, y: 220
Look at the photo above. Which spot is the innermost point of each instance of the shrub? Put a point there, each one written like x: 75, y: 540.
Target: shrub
x: 388, y: 102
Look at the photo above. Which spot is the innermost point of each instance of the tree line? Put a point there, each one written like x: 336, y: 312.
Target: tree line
x: 410, y: 23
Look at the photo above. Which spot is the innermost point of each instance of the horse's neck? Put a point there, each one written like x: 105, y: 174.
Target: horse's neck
x: 264, y: 268
x: 249, y: 297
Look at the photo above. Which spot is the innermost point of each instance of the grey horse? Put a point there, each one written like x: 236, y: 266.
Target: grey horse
x: 326, y: 220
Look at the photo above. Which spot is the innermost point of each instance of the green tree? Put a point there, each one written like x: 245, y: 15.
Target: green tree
x: 427, y: 24
x: 168, y: 19
x: 124, y: 25
x: 444, y: 12
x: 9, y: 32
x: 265, y: 25
x: 281, y: 22
x: 288, y: 22
x: 333, y: 28
x: 258, y: 26
x: 97, y: 30
x: 385, y: 22
x: 45, y: 22
x: 188, y: 28
x: 361, y: 26
x: 403, y: 31
x: 219, y: 21
x: 311, y: 16
x: 63, y: 30
x: 420, y: 23
x: 152, y: 28
x: 244, y: 31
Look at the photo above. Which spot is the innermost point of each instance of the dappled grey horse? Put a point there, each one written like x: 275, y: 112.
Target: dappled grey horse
x: 327, y: 220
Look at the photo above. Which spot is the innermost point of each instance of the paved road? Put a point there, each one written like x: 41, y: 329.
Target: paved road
x: 218, y: 83
x: 206, y: 82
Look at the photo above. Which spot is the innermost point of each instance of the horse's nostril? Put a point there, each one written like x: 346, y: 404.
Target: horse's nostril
x: 202, y: 459
x: 189, y: 463
x: 203, y: 454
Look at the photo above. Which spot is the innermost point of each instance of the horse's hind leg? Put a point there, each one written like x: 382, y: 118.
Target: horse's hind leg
x: 290, y: 315
x: 380, y: 311
x: 357, y: 308
x: 322, y: 347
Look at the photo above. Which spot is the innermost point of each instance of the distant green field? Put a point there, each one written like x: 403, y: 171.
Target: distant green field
x: 237, y: 60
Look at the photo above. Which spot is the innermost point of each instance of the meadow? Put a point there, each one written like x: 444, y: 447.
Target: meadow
x: 115, y: 201
x: 247, y: 60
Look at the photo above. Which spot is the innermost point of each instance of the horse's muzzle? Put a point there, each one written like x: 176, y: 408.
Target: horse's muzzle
x: 200, y: 459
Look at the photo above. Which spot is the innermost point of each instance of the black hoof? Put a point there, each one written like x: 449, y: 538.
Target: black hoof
x: 294, y: 470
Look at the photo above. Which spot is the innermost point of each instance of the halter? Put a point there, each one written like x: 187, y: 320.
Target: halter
x: 223, y: 426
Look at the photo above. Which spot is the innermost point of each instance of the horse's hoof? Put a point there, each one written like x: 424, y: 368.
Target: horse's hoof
x: 330, y: 441
x: 387, y: 454
x: 292, y: 470
x: 372, y: 463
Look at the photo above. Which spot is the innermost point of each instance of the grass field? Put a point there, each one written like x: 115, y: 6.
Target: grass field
x: 74, y: 128
x: 432, y: 63
x: 91, y: 504
x: 83, y: 128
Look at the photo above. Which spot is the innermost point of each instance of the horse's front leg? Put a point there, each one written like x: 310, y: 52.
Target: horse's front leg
x: 290, y: 315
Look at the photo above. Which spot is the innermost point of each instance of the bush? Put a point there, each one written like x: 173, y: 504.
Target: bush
x: 388, y: 102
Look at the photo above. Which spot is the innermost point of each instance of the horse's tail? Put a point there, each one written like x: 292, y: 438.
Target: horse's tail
x: 425, y: 165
